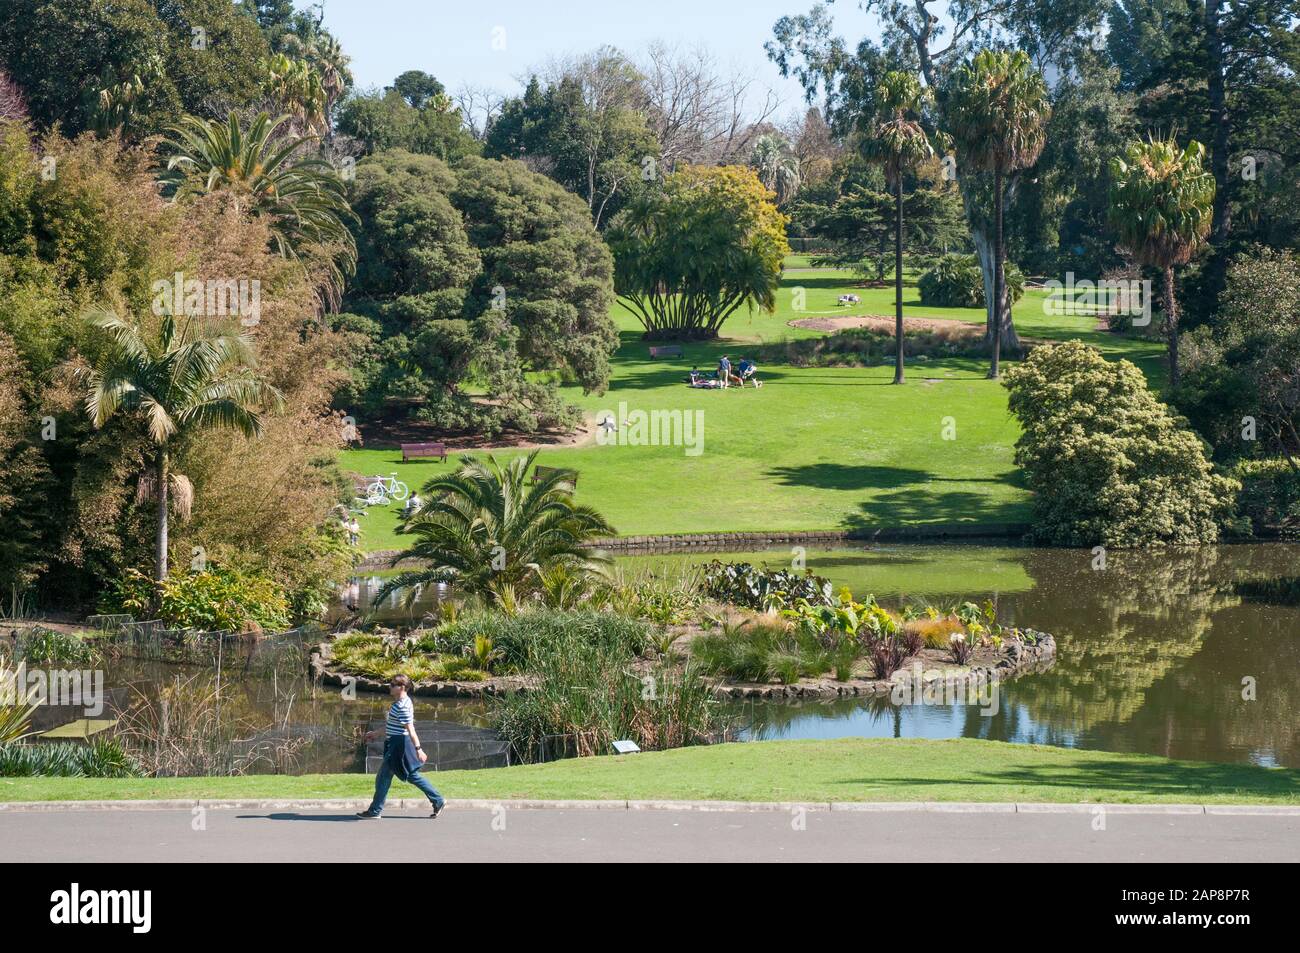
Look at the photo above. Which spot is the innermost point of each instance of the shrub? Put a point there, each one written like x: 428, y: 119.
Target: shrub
x: 744, y: 585
x: 866, y: 346
x: 1108, y: 463
x: 1270, y: 495
x: 214, y: 599
x: 957, y: 282
x: 48, y: 647
x: 99, y: 758
x: 758, y: 651
x: 934, y: 633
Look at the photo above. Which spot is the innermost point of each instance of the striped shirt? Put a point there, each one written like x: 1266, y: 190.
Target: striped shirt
x: 400, y: 715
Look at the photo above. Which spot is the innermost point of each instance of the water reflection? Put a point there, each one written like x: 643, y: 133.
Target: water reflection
x: 1154, y: 652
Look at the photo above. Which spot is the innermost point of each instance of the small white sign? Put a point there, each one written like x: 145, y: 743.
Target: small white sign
x: 626, y: 747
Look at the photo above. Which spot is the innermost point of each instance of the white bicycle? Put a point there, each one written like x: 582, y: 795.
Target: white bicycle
x: 383, y: 490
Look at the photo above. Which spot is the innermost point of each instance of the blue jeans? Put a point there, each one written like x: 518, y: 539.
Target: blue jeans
x: 394, y: 749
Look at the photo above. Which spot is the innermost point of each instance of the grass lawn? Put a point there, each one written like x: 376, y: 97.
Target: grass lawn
x: 851, y: 769
x: 817, y: 448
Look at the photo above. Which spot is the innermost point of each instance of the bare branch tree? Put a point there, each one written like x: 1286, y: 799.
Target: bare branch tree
x: 699, y: 113
x: 479, y: 106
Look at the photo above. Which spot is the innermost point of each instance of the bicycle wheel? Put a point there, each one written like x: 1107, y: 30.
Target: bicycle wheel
x: 399, y: 490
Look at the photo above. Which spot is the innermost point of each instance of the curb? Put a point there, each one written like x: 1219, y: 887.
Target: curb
x: 483, y: 804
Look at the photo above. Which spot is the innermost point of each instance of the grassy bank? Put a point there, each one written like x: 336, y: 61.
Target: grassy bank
x: 818, y: 448
x: 851, y: 769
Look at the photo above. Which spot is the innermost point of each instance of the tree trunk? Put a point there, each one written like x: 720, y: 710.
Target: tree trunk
x: 984, y: 252
x: 898, y: 279
x: 998, y: 252
x: 1171, y: 325
x: 160, y: 538
x: 1220, y: 135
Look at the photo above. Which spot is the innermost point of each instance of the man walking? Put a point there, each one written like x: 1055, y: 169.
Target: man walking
x: 403, y: 754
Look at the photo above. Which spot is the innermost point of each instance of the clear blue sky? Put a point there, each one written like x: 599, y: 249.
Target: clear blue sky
x: 453, y: 40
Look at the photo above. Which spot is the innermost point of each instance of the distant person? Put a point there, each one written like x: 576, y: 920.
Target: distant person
x: 354, y: 531
x: 747, y: 370
x: 724, y: 370
x: 403, y: 754
x: 413, y: 504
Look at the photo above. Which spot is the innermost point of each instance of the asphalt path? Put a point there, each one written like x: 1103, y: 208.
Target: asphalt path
x: 504, y: 834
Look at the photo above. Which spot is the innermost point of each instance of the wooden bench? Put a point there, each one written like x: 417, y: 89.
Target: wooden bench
x: 540, y: 472
x: 666, y: 350
x: 411, y: 450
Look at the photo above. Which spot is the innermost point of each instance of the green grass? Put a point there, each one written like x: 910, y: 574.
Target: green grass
x: 851, y: 769
x: 817, y: 448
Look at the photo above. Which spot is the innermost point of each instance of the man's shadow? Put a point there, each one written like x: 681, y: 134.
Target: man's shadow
x: 285, y: 816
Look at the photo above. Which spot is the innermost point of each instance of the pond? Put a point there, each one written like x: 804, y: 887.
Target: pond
x: 1155, y: 651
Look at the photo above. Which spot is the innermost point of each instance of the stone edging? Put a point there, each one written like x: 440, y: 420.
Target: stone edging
x: 1017, y: 658
x: 721, y: 542
x: 487, y: 804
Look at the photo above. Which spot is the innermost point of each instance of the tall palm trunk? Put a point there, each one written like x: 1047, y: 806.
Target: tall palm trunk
x: 898, y: 279
x: 160, y: 537
x: 998, y: 252
x: 1171, y: 324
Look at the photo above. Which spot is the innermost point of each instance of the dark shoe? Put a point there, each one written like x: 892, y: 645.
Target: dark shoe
x: 369, y: 815
x: 437, y: 809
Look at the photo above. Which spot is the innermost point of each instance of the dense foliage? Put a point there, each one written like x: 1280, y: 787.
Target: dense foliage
x: 1108, y: 463
x: 687, y: 256
x: 955, y: 281
x: 468, y: 278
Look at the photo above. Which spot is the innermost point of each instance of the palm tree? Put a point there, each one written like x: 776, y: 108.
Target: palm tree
x: 326, y: 54
x: 186, y: 381
x: 489, y: 532
x: 997, y: 111
x: 304, y: 197
x: 776, y: 164
x: 1162, y: 206
x: 294, y: 86
x: 898, y: 143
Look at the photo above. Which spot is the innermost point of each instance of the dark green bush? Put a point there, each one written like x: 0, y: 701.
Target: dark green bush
x: 742, y: 584
x: 1270, y: 495
x: 957, y: 282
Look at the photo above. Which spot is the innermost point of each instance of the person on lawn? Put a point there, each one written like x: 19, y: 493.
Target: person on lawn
x: 724, y: 370
x: 402, y: 753
x: 747, y: 370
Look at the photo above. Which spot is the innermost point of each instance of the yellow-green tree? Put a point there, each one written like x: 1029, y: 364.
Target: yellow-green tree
x: 687, y: 255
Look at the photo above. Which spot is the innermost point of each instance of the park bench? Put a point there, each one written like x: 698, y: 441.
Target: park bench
x: 540, y: 472
x: 666, y: 350
x: 411, y: 450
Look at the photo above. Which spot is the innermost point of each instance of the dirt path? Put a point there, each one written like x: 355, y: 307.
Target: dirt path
x: 882, y: 322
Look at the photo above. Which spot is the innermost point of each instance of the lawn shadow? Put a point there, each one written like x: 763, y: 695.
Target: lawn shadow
x: 1193, y: 780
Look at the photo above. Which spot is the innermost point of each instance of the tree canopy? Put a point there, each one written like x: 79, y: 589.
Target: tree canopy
x: 687, y: 256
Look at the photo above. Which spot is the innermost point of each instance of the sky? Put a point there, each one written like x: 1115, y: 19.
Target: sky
x: 455, y: 40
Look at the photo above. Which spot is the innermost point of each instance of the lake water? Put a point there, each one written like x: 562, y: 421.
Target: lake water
x: 1155, y: 650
